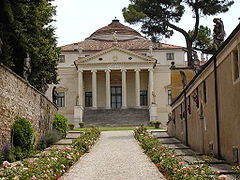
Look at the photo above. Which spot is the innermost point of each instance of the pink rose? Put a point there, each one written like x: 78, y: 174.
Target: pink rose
x: 175, y: 169
x: 202, y: 172
x: 181, y: 163
x: 222, y: 177
x: 6, y: 164
x: 34, y: 177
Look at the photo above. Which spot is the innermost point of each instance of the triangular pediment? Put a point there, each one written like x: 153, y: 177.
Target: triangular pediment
x: 115, y: 55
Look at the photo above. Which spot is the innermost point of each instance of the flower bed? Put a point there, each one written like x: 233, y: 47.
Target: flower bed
x: 171, y: 166
x: 52, y: 164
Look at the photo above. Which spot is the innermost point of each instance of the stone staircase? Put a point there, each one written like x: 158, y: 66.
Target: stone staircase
x: 115, y: 117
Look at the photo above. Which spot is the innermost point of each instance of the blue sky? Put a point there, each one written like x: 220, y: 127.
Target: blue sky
x: 78, y: 19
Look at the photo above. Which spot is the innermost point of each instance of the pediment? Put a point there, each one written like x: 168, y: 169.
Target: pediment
x: 115, y: 55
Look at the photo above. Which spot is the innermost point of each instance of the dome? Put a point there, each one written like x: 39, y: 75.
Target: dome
x: 115, y: 31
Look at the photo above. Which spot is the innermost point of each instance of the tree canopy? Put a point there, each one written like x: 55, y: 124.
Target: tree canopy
x: 25, y: 28
x: 161, y: 17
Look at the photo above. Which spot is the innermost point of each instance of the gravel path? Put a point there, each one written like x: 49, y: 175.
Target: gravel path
x: 116, y: 156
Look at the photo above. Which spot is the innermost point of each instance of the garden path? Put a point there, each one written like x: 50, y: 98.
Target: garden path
x: 117, y: 156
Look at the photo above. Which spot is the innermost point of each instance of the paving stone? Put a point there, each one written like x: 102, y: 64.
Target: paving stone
x: 169, y: 141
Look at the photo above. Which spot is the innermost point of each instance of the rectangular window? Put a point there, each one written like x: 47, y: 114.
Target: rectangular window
x: 170, y: 56
x: 204, y: 91
x: 169, y: 97
x: 88, y: 99
x: 235, y: 59
x: 61, y: 99
x: 62, y: 58
x: 143, y: 98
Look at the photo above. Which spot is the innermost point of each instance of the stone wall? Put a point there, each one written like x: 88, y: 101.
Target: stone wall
x: 19, y: 98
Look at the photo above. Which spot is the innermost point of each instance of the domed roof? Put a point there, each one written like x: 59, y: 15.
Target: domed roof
x: 115, y: 28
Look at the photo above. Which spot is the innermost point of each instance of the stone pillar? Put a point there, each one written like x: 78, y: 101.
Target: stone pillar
x: 150, y: 86
x: 137, y: 87
x: 108, y: 93
x: 94, y: 89
x: 124, y: 89
x: 78, y: 109
x: 80, y: 88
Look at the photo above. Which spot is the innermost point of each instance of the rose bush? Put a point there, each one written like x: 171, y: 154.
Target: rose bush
x: 51, y: 164
x: 172, y: 166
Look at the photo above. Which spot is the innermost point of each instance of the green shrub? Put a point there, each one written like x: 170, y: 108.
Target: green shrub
x: 22, y: 137
x: 48, y: 139
x: 60, y: 123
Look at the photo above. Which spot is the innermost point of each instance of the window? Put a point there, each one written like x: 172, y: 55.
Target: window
x: 170, y: 56
x: 88, y: 99
x: 169, y: 97
x: 61, y: 99
x: 62, y: 58
x: 143, y: 98
x: 204, y: 92
x: 235, y: 59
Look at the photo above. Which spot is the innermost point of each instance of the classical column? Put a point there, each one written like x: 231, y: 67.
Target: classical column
x: 108, y: 95
x: 137, y: 87
x: 80, y: 88
x: 94, y: 88
x: 124, y: 89
x: 150, y: 86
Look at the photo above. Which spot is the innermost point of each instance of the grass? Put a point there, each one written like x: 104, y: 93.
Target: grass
x: 113, y: 128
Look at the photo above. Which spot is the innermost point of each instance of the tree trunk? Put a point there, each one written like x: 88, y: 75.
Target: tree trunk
x: 189, y: 52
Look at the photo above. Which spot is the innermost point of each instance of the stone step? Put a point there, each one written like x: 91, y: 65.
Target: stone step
x: 64, y: 142
x: 161, y: 134
x: 200, y: 160
x: 186, y: 152
x: 169, y: 141
x: 222, y: 168
x: 176, y: 146
x: 116, y: 117
x: 73, y: 135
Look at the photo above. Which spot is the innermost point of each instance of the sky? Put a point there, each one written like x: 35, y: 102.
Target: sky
x: 78, y: 19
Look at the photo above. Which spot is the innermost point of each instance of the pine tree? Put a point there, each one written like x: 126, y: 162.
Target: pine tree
x: 159, y: 17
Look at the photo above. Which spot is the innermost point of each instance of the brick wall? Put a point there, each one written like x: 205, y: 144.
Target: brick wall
x: 19, y: 98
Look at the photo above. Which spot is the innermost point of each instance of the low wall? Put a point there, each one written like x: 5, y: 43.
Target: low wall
x: 19, y: 98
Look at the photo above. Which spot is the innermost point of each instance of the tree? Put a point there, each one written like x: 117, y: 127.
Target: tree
x: 159, y: 17
x: 204, y: 40
x: 25, y: 27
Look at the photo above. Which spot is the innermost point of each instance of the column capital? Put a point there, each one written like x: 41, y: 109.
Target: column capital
x: 80, y: 70
x: 138, y: 69
x: 123, y: 70
x: 150, y: 69
x: 107, y: 70
x: 93, y: 70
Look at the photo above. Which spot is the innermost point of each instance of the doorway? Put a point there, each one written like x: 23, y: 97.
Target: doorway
x: 116, y: 97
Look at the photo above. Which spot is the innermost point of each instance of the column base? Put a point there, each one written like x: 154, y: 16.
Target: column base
x: 124, y: 107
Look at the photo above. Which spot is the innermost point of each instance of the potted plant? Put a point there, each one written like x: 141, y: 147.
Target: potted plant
x: 71, y: 126
x: 81, y: 124
x: 156, y: 123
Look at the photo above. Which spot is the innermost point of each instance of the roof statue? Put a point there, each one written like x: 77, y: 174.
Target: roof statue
x: 196, y: 62
x: 184, y: 79
x: 26, y: 67
x: 218, y: 32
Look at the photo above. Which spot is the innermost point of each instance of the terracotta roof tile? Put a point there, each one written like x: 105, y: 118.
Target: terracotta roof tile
x: 140, y: 44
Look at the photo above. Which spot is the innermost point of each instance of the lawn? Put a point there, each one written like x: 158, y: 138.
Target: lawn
x: 113, y: 128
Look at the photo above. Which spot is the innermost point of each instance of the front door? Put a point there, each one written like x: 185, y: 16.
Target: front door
x: 116, y: 97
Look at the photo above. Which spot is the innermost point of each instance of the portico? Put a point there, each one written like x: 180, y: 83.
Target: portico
x: 117, y: 79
